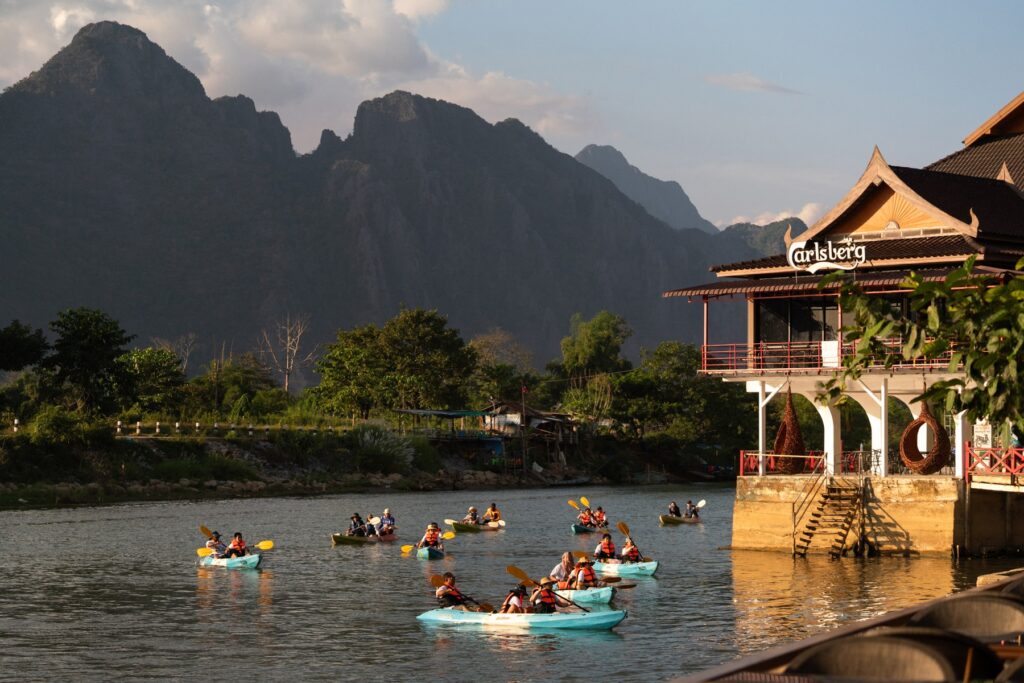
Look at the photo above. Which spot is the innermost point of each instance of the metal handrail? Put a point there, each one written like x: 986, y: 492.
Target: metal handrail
x: 803, y: 503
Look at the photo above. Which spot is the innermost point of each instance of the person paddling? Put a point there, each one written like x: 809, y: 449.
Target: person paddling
x: 673, y: 510
x: 492, y: 514
x: 371, y: 530
x: 448, y: 595
x: 691, y: 510
x: 471, y: 516
x: 605, y: 550
x: 560, y: 573
x: 586, y: 518
x: 544, y: 599
x: 513, y: 602
x: 387, y: 523
x: 237, y: 547
x: 356, y: 526
x: 431, y: 538
x: 600, y: 519
x: 630, y: 553
x: 216, y: 545
x: 583, y: 576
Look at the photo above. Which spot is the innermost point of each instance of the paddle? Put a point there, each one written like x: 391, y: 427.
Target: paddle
x: 450, y: 522
x: 262, y: 545
x: 701, y: 503
x: 624, y: 529
x: 586, y: 503
x: 438, y: 581
x: 448, y: 535
x: 521, y: 575
x: 574, y: 504
x: 374, y: 520
x: 496, y: 525
x: 205, y: 532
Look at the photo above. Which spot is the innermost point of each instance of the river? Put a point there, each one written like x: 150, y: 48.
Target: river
x: 112, y: 592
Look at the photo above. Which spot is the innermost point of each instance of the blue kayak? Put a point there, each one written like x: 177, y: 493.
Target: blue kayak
x: 430, y: 554
x: 580, y: 529
x: 594, y: 596
x: 243, y: 562
x: 627, y: 568
x: 603, y: 620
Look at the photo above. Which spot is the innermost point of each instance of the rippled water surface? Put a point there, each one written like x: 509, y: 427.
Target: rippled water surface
x: 108, y: 592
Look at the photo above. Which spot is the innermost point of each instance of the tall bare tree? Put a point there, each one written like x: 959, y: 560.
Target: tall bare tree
x: 283, y: 349
x: 182, y: 347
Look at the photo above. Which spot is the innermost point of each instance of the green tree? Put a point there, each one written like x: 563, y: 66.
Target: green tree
x: 153, y: 380
x: 219, y: 389
x: 84, y: 359
x: 975, y: 323
x: 352, y: 373
x: 20, y: 346
x: 502, y: 369
x: 595, y: 346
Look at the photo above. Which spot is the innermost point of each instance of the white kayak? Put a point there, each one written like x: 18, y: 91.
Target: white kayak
x: 626, y: 568
x: 591, y: 596
x: 243, y: 562
x: 606, y: 619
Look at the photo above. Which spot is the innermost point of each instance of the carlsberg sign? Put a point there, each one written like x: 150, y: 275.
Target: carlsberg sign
x: 813, y: 256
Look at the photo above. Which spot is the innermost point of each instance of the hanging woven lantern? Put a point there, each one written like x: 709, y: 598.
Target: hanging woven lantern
x: 789, y: 440
x: 937, y: 456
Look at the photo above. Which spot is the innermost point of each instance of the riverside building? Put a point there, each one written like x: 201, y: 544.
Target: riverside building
x: 894, y: 220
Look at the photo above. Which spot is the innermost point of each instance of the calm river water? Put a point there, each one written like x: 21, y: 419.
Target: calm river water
x: 110, y: 592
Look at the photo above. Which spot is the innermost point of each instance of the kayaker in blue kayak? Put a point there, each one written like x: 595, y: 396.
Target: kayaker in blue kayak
x: 387, y: 523
x: 432, y: 538
x: 673, y: 510
x: 544, y: 599
x: 471, y: 517
x: 513, y: 602
x: 691, y: 510
x: 586, y: 518
x: 356, y: 527
x: 448, y: 595
x: 216, y: 545
x: 561, y: 571
x: 605, y: 550
x: 584, y: 575
x: 237, y: 547
x: 600, y: 519
x: 630, y: 553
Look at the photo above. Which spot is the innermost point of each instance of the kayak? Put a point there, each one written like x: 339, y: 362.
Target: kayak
x: 580, y: 529
x: 243, y: 562
x: 567, y: 620
x: 590, y: 596
x: 627, y: 568
x: 474, y: 528
x: 430, y: 554
x: 669, y: 519
x: 343, y: 539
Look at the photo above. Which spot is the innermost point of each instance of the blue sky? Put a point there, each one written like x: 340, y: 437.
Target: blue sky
x: 757, y: 109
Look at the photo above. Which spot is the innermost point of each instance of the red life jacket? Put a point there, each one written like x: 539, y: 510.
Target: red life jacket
x: 584, y: 518
x: 607, y: 547
x: 599, y: 517
x: 238, y: 544
x: 586, y: 574
x: 632, y: 554
x: 547, y: 597
x: 563, y: 585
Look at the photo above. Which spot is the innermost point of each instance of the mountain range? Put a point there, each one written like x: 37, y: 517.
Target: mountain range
x: 124, y: 187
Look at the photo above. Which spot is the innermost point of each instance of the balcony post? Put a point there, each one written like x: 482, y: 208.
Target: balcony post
x: 963, y: 431
x: 833, y: 446
x: 762, y: 428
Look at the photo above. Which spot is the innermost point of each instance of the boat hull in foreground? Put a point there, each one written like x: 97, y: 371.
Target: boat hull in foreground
x: 474, y: 528
x: 343, y: 539
x: 542, y: 622
x: 430, y: 554
x: 626, y: 568
x: 243, y: 562
x: 580, y: 529
x: 590, y: 596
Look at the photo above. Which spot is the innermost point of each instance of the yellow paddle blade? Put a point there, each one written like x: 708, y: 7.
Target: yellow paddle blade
x: 520, y: 574
x: 701, y: 503
x: 586, y: 503
x: 203, y: 552
x: 448, y: 535
x: 573, y: 503
x: 407, y: 548
x: 265, y: 545
x: 205, y: 532
x: 580, y: 555
x: 436, y: 581
x: 624, y: 528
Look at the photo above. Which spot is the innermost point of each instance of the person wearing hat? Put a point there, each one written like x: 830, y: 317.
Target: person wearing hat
x: 471, y: 517
x: 492, y: 514
x: 600, y: 519
x: 387, y: 523
x: 448, y: 595
x: 583, y: 576
x: 431, y: 538
x: 544, y: 599
x: 216, y: 545
x: 356, y: 527
x: 513, y: 602
x: 605, y: 550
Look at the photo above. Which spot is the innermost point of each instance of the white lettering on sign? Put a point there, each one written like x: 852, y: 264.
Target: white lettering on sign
x: 814, y: 256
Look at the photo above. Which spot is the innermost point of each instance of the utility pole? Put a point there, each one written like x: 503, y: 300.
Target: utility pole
x: 522, y: 427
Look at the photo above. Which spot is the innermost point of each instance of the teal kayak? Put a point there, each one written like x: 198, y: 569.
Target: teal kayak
x: 430, y: 554
x: 580, y: 529
x: 626, y: 568
x: 590, y: 596
x: 561, y: 620
x: 243, y: 562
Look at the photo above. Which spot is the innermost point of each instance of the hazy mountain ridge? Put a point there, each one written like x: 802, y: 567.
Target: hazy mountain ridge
x: 124, y: 187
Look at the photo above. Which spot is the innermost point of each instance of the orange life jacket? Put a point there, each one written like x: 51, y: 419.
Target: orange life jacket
x: 632, y: 553
x: 563, y: 585
x: 238, y: 544
x: 431, y: 536
x: 586, y: 574
x: 585, y: 518
x: 547, y: 597
x: 599, y: 517
x: 607, y: 547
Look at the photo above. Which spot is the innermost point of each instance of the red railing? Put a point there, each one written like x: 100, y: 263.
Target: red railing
x: 1007, y: 462
x: 768, y: 356
x: 850, y: 462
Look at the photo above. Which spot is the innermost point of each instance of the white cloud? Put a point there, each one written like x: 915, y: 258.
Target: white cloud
x: 808, y: 213
x: 312, y: 61
x: 748, y: 82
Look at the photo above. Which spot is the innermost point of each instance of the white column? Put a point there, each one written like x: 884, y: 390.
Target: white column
x: 762, y: 428
x: 876, y: 406
x: 833, y: 445
x: 963, y: 432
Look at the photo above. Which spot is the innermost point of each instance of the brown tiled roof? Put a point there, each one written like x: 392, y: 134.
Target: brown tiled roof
x: 984, y: 158
x: 998, y: 206
x: 804, y: 282
x: 878, y: 250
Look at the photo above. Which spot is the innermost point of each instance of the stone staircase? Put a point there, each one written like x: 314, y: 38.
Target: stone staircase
x: 832, y: 517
